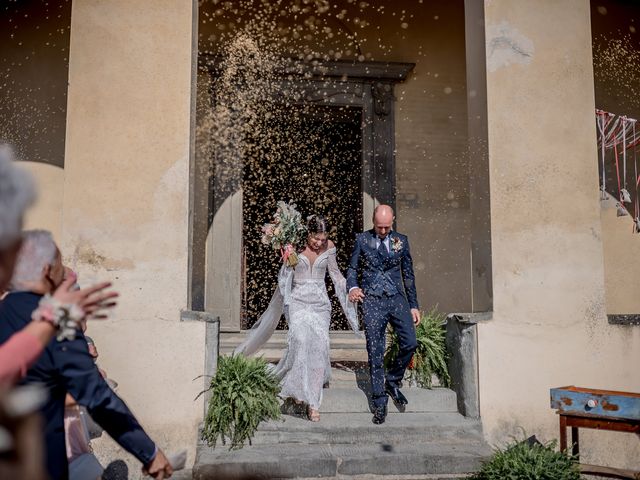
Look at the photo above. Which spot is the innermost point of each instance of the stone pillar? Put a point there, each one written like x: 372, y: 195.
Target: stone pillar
x: 479, y: 198
x: 549, y: 326
x: 126, y: 203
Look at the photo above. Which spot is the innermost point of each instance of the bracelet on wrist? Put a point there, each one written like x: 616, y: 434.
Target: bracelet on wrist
x: 65, y: 318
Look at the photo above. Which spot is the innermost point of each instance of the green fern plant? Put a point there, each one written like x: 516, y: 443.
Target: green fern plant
x: 431, y: 355
x: 529, y: 461
x: 244, y: 393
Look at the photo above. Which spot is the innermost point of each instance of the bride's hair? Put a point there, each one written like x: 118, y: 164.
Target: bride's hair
x: 317, y: 224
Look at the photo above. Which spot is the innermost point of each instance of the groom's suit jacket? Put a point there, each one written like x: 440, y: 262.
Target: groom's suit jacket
x: 382, y: 275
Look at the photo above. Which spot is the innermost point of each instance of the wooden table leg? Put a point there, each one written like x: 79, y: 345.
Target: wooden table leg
x: 575, y: 440
x: 563, y: 433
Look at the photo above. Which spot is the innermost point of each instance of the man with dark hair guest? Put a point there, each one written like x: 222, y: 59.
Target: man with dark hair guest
x: 67, y: 366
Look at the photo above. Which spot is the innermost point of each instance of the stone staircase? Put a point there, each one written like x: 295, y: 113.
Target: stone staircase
x: 429, y: 440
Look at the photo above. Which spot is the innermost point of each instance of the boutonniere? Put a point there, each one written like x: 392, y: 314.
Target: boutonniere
x: 396, y: 244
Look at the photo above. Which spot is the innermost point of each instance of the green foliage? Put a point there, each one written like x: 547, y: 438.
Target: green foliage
x: 431, y: 356
x: 244, y: 393
x: 521, y: 461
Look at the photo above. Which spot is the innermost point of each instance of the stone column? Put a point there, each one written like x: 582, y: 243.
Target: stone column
x: 549, y: 326
x: 479, y: 198
x: 126, y: 206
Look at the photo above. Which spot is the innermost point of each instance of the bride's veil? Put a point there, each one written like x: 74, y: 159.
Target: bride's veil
x: 268, y: 321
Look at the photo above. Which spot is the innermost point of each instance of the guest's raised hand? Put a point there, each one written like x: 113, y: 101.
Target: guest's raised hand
x: 93, y: 300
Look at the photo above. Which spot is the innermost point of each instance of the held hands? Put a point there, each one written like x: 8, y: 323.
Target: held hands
x: 356, y: 295
x: 415, y: 313
x: 159, y: 468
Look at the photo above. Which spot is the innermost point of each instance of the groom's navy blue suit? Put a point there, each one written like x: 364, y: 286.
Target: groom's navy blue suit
x: 386, y: 277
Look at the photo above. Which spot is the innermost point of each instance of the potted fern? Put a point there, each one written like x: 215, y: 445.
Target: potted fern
x: 529, y: 460
x: 244, y: 394
x: 431, y: 355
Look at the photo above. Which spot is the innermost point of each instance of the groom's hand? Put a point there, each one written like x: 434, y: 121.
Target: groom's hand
x: 415, y: 313
x: 356, y: 295
x: 159, y: 468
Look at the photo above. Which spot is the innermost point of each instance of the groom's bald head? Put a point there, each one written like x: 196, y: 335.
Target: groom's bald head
x: 383, y: 220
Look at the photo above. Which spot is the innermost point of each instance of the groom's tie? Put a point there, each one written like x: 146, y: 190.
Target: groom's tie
x: 382, y: 248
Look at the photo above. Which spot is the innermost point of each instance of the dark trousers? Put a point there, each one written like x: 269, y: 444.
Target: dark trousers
x: 378, y: 312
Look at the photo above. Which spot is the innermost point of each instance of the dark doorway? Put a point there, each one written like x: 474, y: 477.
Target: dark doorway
x: 314, y: 161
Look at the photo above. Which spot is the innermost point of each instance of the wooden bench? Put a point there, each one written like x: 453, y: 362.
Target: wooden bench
x: 600, y: 410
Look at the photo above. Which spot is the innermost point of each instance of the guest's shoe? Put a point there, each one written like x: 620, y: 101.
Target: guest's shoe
x: 379, y: 415
x: 396, y: 395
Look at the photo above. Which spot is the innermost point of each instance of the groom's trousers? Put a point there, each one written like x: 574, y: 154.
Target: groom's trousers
x: 378, y: 312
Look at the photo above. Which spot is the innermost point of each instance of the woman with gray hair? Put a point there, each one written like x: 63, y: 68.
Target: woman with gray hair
x: 17, y: 193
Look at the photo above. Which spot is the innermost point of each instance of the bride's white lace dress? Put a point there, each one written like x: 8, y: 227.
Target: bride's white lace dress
x: 301, y: 294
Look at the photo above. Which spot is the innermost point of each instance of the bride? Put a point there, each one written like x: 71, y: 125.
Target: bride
x: 302, y: 296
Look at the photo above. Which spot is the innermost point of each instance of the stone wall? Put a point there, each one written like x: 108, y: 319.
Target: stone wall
x: 621, y: 261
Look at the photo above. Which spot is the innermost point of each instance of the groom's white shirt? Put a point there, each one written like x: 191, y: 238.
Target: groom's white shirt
x: 378, y: 241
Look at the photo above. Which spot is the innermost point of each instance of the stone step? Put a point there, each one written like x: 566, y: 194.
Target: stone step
x: 345, y: 346
x: 357, y: 428
x: 336, y: 336
x: 342, y: 397
x: 336, y: 354
x: 402, y: 460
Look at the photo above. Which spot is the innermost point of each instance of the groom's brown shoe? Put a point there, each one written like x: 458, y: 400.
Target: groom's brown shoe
x: 396, y: 395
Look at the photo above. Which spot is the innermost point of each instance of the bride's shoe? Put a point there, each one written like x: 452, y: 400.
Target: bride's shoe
x: 314, y: 415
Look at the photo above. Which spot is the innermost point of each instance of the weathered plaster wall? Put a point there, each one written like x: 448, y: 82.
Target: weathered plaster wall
x: 47, y: 211
x: 34, y: 55
x: 432, y: 177
x: 613, y: 23
x: 621, y: 260
x: 125, y: 209
x: 549, y: 326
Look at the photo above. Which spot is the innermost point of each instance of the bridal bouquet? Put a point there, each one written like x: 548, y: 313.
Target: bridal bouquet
x: 285, y: 232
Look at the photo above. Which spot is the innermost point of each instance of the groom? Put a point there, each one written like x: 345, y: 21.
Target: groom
x: 380, y: 275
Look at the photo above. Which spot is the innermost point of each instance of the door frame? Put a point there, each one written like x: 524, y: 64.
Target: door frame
x: 365, y: 85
